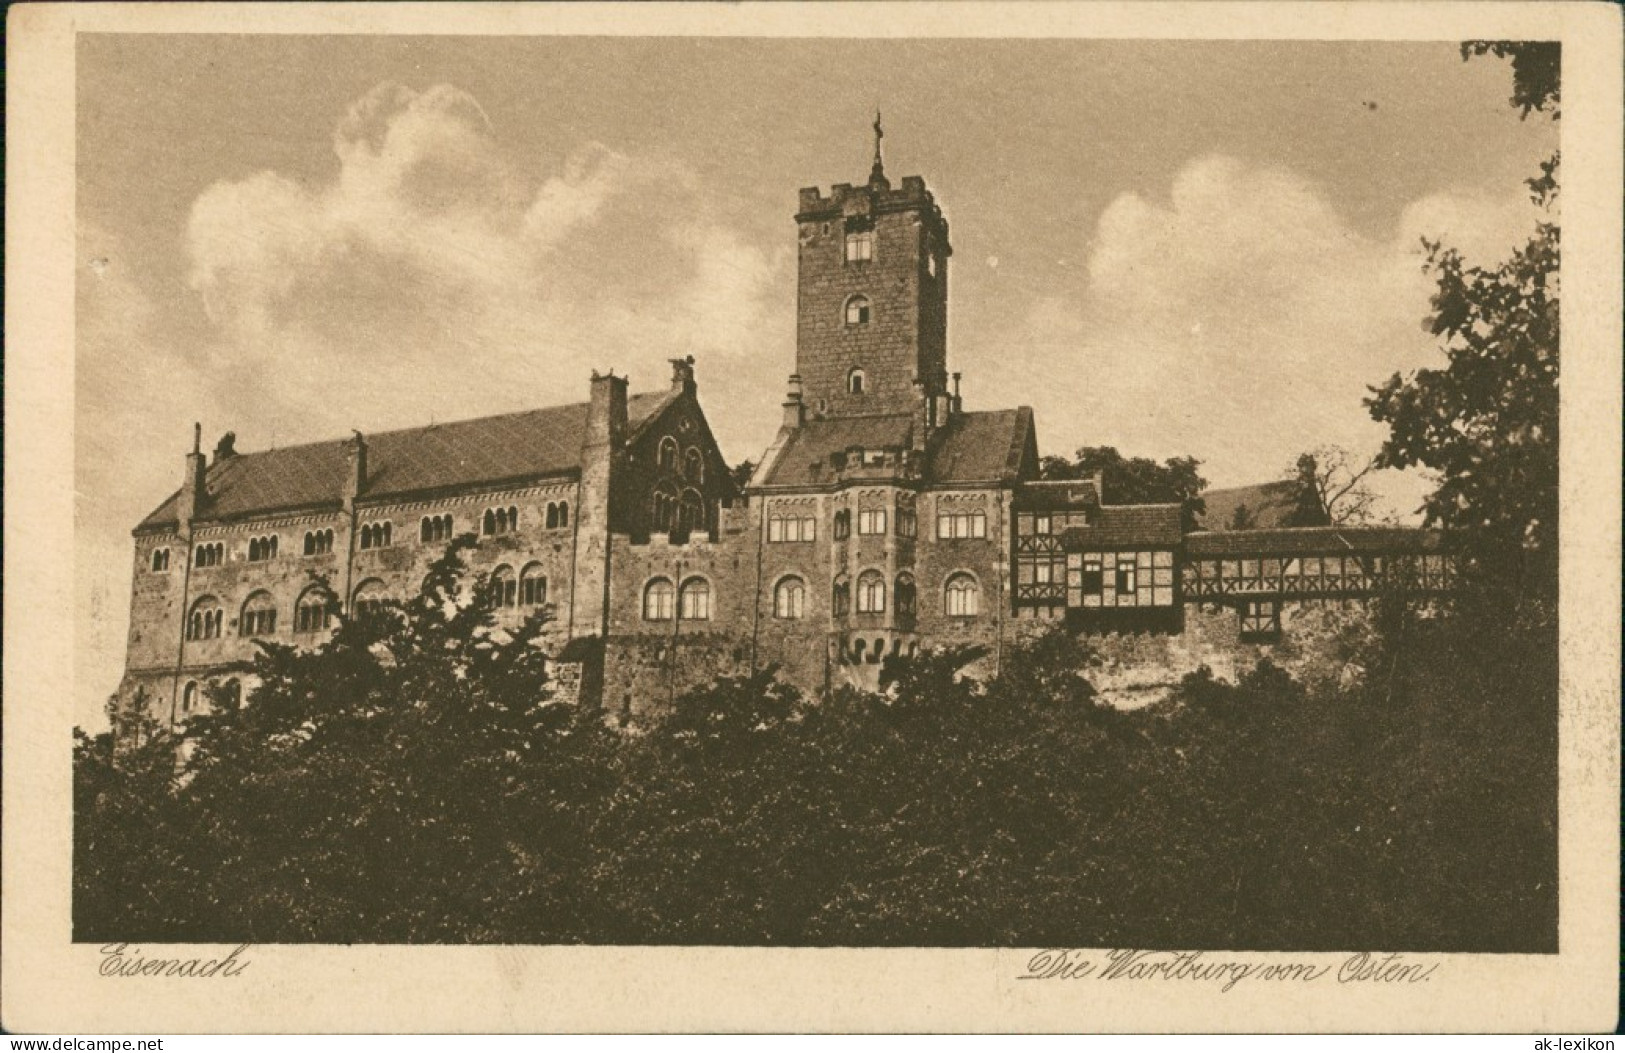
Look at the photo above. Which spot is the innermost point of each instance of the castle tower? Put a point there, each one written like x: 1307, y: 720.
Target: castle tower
x: 872, y: 296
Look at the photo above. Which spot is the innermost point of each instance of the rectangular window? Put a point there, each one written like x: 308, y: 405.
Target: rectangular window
x: 1041, y: 523
x: 1093, y: 579
x: 1260, y: 620
x: 775, y: 529
x: 1041, y: 574
x: 872, y: 521
x: 1125, y: 574
x: 860, y: 246
x: 907, y: 525
x: 961, y: 525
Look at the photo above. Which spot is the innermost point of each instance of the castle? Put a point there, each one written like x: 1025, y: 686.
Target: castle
x: 884, y: 517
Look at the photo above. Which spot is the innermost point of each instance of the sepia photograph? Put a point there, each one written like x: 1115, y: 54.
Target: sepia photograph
x: 833, y: 490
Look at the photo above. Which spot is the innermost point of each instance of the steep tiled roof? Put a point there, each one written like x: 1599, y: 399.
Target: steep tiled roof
x: 1127, y: 525
x: 1268, y: 503
x: 1312, y: 541
x: 974, y: 447
x: 489, y: 450
x: 980, y: 446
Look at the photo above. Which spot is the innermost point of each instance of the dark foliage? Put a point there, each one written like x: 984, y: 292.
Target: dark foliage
x: 1135, y: 480
x: 411, y: 782
x: 1488, y: 422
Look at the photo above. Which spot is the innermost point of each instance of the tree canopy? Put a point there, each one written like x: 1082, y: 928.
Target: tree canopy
x: 1487, y: 422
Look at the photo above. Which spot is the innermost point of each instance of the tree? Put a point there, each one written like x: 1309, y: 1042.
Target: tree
x: 1242, y: 519
x: 1134, y: 480
x: 1488, y: 421
x: 1328, y: 489
x: 742, y: 472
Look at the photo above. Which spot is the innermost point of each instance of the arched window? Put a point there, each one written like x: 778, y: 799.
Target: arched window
x: 662, y: 511
x: 552, y: 520
x: 690, y: 513
x: 160, y: 560
x: 504, y: 587
x: 189, y: 697
x: 871, y: 593
x: 233, y: 694
x: 210, y: 555
x: 696, y: 600
x: 490, y: 521
x: 254, y: 550
x: 857, y: 310
x: 843, y: 524
x: 318, y: 542
x: 694, y: 466
x: 657, y: 601
x: 375, y: 535
x: 668, y: 454
x: 369, y: 598
x: 435, y: 528
x: 790, y: 598
x: 532, y: 586
x: 206, y: 619
x: 905, y: 593
x: 857, y: 650
x: 840, y: 598
x: 314, y: 611
x: 962, y: 596
x: 854, y: 382
x: 259, y: 615
x: 564, y: 514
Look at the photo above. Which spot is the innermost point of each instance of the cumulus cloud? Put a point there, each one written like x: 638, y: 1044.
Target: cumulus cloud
x: 1242, y: 318
x: 440, y: 274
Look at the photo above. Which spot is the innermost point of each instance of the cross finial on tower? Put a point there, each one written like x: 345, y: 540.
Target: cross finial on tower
x: 877, y: 174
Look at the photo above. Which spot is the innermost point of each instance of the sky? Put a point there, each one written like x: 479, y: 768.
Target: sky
x: 1175, y: 248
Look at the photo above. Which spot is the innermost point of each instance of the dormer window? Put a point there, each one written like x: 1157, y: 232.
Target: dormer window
x: 854, y: 382
x: 857, y: 310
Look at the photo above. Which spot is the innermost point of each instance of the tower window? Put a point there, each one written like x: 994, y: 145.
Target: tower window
x: 871, y: 593
x: 857, y: 310
x: 860, y: 246
x: 160, y: 560
x: 854, y: 382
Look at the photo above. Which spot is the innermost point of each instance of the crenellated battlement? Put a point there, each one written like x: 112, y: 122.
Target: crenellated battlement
x: 845, y: 199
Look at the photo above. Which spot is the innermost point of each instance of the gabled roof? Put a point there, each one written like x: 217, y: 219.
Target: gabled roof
x: 971, y: 448
x: 977, y: 447
x: 1122, y: 526
x: 512, y: 447
x: 1312, y: 541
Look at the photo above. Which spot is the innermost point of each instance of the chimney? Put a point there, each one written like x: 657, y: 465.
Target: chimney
x: 958, y: 405
x: 795, y: 411
x: 226, y: 448
x: 682, y: 375
x: 606, y: 410
x: 355, y: 480
x: 194, y: 490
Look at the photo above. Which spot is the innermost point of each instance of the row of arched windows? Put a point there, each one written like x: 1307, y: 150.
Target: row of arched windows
x: 961, y: 595
x: 435, y: 528
x: 377, y: 535
x: 318, y: 542
x: 558, y: 515
x: 691, y: 603
x: 693, y: 461
x: 262, y: 548
x: 205, y: 621
x: 500, y: 520
x: 529, y: 589
x: 210, y: 555
x: 673, y: 514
